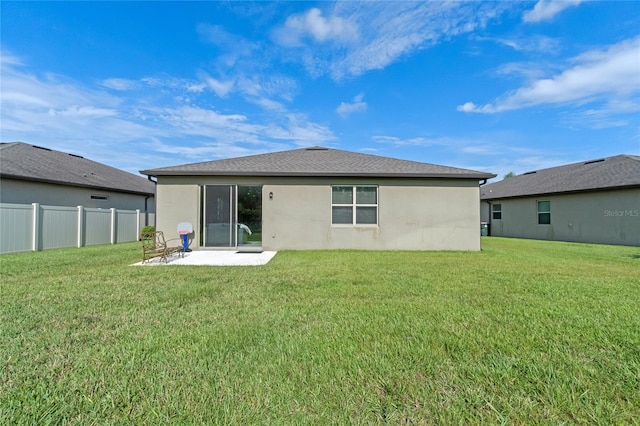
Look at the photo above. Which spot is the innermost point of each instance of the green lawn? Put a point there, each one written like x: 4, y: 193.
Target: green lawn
x: 523, y: 332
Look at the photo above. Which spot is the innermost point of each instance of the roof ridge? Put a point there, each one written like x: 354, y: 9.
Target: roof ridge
x: 617, y: 171
x: 26, y: 161
x: 316, y: 161
x: 577, y: 163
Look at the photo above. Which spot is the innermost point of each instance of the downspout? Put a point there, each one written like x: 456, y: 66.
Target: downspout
x: 146, y: 203
x: 484, y: 181
x: 146, y: 210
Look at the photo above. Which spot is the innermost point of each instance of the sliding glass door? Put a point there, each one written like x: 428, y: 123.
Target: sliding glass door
x: 219, y: 216
x: 232, y: 216
x: 249, y: 216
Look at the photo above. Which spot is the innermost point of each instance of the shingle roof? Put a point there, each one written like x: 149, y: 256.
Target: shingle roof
x: 22, y: 161
x: 317, y: 162
x: 620, y: 171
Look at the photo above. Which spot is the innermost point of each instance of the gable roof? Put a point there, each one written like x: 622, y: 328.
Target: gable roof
x: 317, y: 162
x: 620, y: 171
x: 22, y: 161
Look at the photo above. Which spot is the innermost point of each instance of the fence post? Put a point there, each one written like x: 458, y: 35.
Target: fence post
x: 80, y: 225
x: 35, y: 227
x: 138, y: 224
x: 114, y: 230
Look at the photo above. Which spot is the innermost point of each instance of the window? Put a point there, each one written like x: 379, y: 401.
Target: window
x: 354, y: 205
x: 99, y: 197
x: 544, y: 212
x: 497, y: 211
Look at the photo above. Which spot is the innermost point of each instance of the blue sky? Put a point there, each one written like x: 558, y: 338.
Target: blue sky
x: 491, y: 86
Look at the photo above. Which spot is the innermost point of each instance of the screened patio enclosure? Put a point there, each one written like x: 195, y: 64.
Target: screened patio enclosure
x: 231, y: 216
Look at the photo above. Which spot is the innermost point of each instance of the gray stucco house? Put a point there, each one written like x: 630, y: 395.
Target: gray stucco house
x: 320, y: 198
x: 33, y: 174
x: 596, y: 201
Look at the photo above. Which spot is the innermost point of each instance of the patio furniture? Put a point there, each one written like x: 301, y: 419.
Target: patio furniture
x: 154, y: 245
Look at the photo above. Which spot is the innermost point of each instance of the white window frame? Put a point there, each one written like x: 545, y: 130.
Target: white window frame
x: 541, y: 212
x: 354, y: 205
x: 495, y: 210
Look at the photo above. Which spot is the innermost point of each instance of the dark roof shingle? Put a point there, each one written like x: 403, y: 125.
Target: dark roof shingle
x: 22, y: 161
x: 620, y: 171
x: 317, y: 162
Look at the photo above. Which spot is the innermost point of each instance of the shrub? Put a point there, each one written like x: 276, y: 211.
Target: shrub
x: 148, y: 228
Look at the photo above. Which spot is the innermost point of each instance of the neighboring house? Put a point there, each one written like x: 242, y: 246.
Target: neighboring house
x: 595, y: 201
x: 32, y: 174
x: 320, y: 198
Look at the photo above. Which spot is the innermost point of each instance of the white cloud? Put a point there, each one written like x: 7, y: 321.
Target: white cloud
x: 120, y: 84
x: 266, y: 91
x: 267, y: 104
x: 203, y: 123
x: 26, y: 92
x: 268, y: 86
x: 217, y: 35
x: 316, y: 26
x: 611, y: 75
x: 196, y: 87
x: 195, y: 121
x: 545, y: 10
x: 471, y: 107
x: 301, y: 131
x: 494, y: 152
x: 386, y: 31
x: 221, y: 88
x: 7, y: 59
x: 530, y: 43
x: 478, y: 149
x: 205, y: 150
x: 84, y: 111
x: 358, y: 105
x: 232, y: 47
x: 611, y: 114
x: 419, y: 141
x: 126, y: 131
x: 528, y: 70
x: 125, y: 84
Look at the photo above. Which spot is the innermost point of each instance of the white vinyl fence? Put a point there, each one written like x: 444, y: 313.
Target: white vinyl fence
x: 33, y: 227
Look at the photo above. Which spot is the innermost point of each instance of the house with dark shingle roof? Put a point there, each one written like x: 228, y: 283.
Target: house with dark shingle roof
x: 320, y: 198
x: 33, y: 174
x: 596, y: 201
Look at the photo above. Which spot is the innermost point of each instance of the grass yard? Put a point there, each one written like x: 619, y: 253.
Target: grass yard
x: 523, y: 332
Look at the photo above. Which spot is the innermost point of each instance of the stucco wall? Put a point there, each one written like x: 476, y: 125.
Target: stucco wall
x: 603, y: 217
x: 434, y: 214
x: 178, y: 201
x: 26, y: 192
x: 485, y: 212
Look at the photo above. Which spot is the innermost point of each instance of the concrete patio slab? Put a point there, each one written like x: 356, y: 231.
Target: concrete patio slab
x: 215, y: 258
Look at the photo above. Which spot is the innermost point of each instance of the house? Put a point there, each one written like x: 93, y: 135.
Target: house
x: 33, y: 174
x: 595, y: 201
x: 320, y: 198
